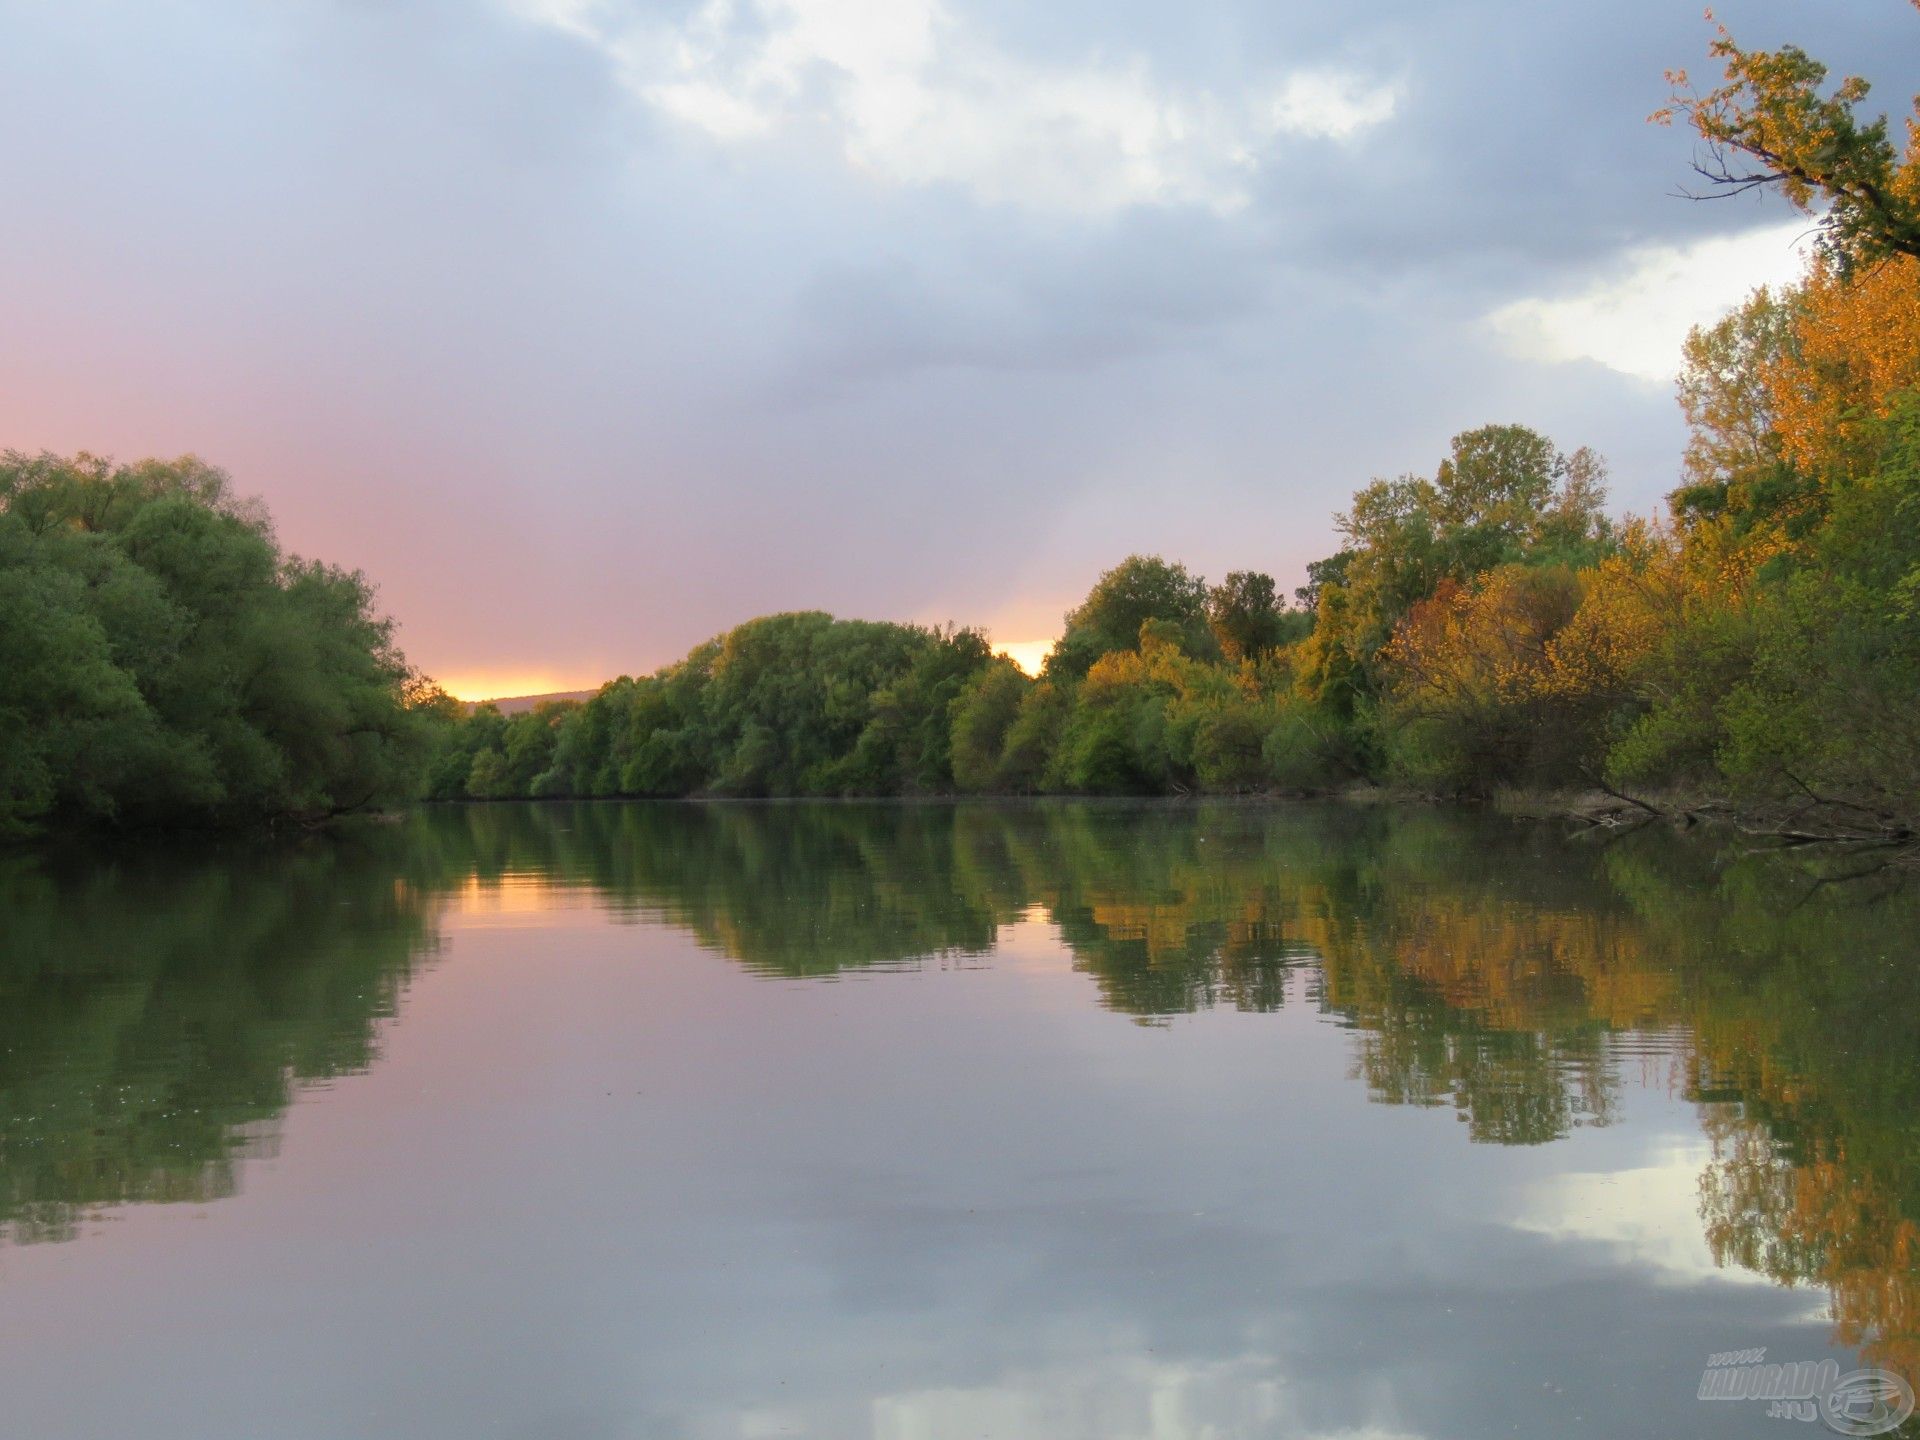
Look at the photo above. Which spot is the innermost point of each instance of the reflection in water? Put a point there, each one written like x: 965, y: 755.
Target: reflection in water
x: 156, y: 1013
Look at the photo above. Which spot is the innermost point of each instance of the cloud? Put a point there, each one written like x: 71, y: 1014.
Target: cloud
x: 1634, y: 317
x: 1646, y: 1213
x: 911, y: 94
x: 663, y: 314
x: 1332, y: 105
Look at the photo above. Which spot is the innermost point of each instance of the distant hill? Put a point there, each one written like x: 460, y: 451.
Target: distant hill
x: 518, y: 704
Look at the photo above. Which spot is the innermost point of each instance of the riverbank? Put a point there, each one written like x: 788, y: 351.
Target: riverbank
x: 1813, y: 821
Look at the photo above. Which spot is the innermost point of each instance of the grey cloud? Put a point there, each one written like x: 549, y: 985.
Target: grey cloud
x: 575, y: 384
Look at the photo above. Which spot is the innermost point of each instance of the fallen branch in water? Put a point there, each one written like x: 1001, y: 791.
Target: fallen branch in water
x: 1815, y: 820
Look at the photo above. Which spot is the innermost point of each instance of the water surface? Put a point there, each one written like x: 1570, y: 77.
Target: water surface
x: 926, y: 1122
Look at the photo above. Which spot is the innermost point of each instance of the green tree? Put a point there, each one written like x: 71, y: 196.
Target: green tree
x: 907, y: 745
x: 983, y: 715
x: 1828, y: 707
x: 1247, y: 617
x: 1030, y: 759
x: 213, y: 679
x: 67, y: 713
x: 1138, y: 589
x: 1734, y: 462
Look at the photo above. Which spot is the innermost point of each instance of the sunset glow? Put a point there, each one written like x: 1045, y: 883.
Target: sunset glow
x: 476, y: 685
x: 930, y: 718
x: 1029, y: 655
x: 1044, y: 294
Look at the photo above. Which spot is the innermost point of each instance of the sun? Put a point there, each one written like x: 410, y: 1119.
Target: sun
x: 1029, y: 655
x: 476, y: 685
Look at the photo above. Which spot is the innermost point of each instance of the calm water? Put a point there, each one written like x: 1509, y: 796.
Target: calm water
x: 1104, y: 1121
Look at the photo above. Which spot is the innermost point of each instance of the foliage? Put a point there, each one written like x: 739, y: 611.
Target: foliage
x: 1770, y: 124
x: 1504, y: 495
x: 1784, y: 661
x: 1483, y: 624
x: 1033, y: 740
x: 1855, y: 353
x: 798, y: 704
x: 983, y: 714
x: 1473, y: 694
x: 163, y: 663
x: 1138, y: 589
x: 1735, y: 462
x: 1247, y: 618
x: 1829, y: 703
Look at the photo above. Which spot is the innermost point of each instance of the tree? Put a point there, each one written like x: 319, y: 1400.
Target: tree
x: 1320, y: 574
x: 795, y: 704
x: 1472, y: 699
x: 1854, y: 354
x: 983, y: 714
x: 203, y: 677
x: 1504, y: 495
x: 1770, y: 125
x: 61, y: 696
x: 788, y: 697
x: 1138, y: 589
x: 1228, y: 749
x: 1572, y: 528
x: 1828, y: 707
x: 906, y: 747
x: 1498, y: 478
x: 487, y: 776
x: 1734, y: 462
x: 1029, y: 759
x: 1247, y: 618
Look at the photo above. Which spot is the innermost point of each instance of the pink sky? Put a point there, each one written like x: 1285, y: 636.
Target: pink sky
x: 587, y: 332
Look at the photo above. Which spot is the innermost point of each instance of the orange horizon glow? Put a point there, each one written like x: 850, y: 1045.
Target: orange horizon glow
x: 473, y: 686
x: 1029, y: 655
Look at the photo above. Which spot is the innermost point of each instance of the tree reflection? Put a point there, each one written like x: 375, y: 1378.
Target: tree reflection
x: 156, y: 1016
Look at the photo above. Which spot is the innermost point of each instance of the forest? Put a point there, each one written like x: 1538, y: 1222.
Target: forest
x: 1485, y: 626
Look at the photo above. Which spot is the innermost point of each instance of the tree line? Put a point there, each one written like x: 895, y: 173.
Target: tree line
x: 1484, y: 625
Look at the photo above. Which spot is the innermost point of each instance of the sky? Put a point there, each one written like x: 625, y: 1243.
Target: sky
x: 589, y: 328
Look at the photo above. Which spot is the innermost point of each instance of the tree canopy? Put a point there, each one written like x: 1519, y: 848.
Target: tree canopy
x: 164, y: 662
x: 1772, y: 124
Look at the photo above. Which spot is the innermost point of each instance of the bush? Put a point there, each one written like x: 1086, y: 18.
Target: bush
x: 163, y: 663
x: 1470, y: 687
x: 983, y: 716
